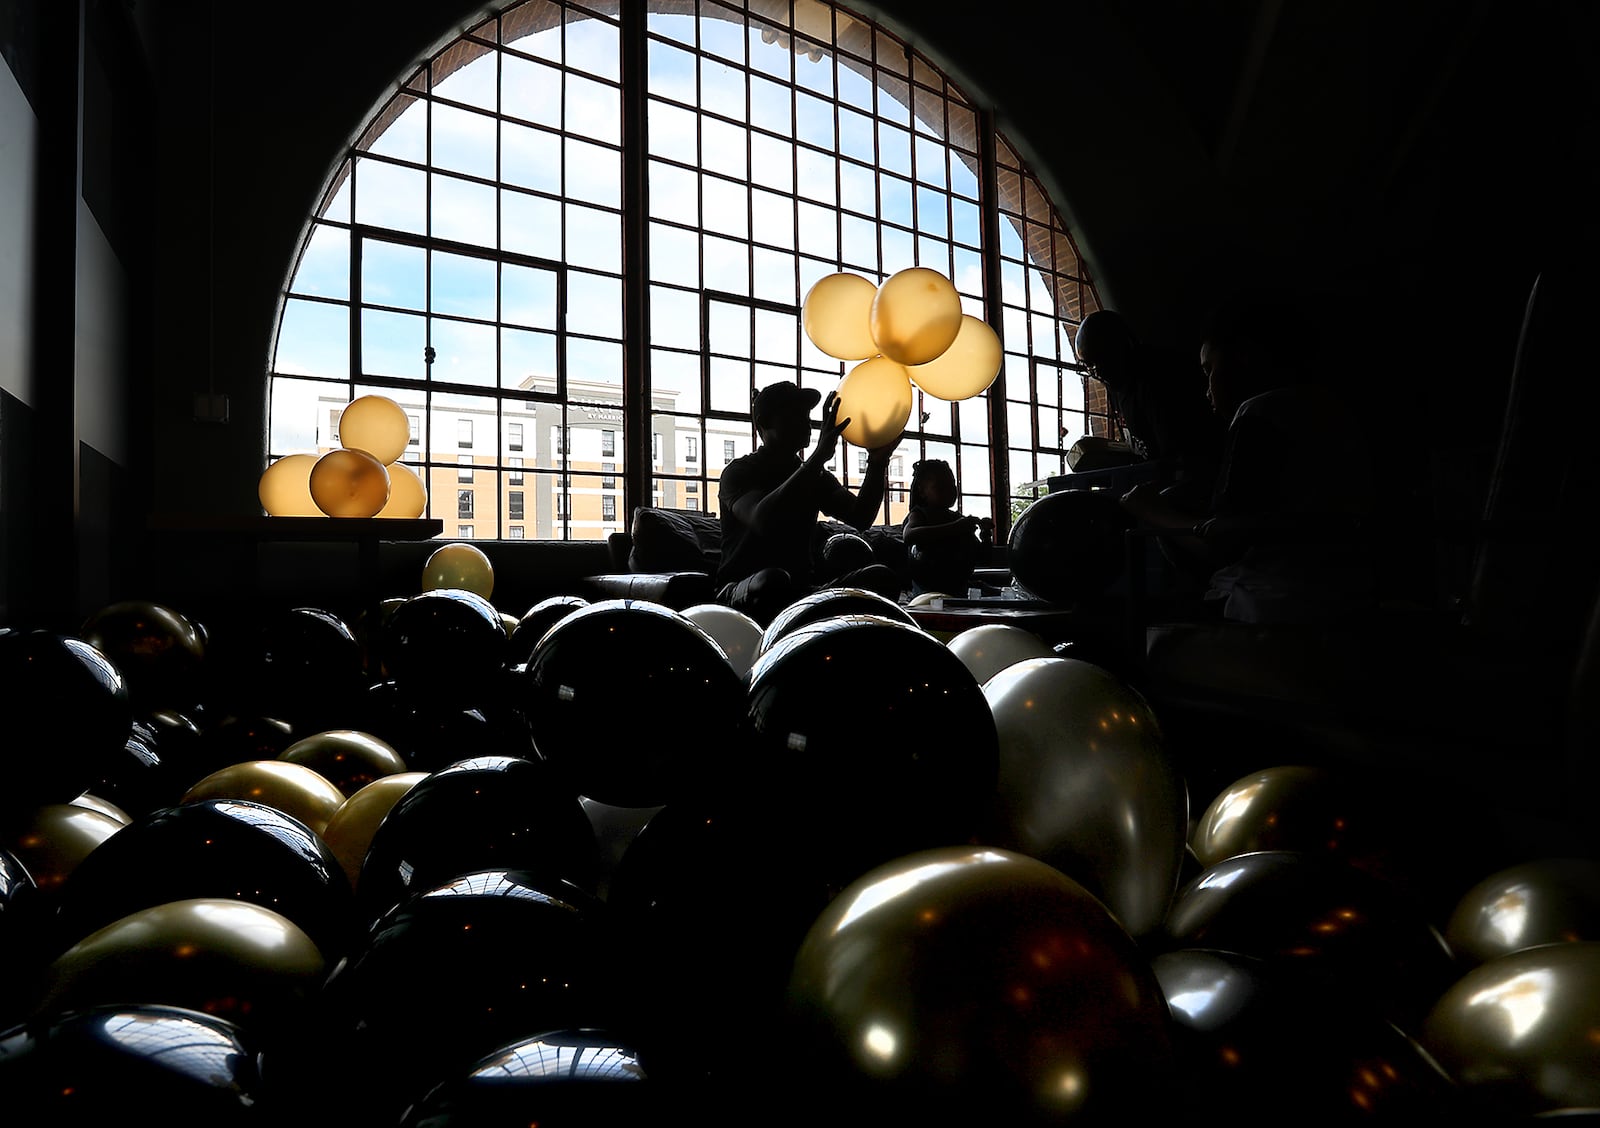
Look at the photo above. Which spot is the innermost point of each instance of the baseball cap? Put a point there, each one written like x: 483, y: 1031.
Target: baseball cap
x: 781, y: 397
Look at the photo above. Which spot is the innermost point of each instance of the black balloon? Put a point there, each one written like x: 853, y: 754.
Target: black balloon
x: 627, y: 751
x: 845, y: 552
x: 161, y: 652
x: 1069, y: 545
x: 457, y: 971
x: 488, y: 812
x: 22, y: 917
x: 237, y: 738
x: 69, y: 715
x: 1272, y: 1044
x: 215, y: 848
x: 131, y: 1064
x: 864, y: 739
x: 1323, y: 915
x: 827, y: 604
x: 430, y: 735
x: 559, y: 1079
x: 301, y: 664
x: 446, y: 646
x: 711, y: 907
x: 538, y: 619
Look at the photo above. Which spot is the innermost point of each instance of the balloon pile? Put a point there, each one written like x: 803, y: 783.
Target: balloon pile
x: 908, y: 331
x: 362, y: 477
x: 609, y: 862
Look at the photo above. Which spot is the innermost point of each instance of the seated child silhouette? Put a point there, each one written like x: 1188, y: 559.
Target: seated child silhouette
x: 945, y: 546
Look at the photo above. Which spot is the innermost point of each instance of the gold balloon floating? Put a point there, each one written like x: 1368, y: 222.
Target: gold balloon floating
x: 964, y: 369
x: 916, y: 315
x: 837, y: 316
x: 875, y: 396
x: 361, y: 478
x: 459, y: 565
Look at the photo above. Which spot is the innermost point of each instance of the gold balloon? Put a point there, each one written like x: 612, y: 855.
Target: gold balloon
x: 1086, y: 784
x: 1518, y: 1032
x: 232, y: 959
x: 1549, y: 901
x: 285, y: 487
x: 376, y: 425
x: 916, y: 315
x: 349, y: 832
x: 459, y: 565
x: 408, y: 497
x: 52, y: 839
x: 294, y: 789
x: 988, y: 648
x: 968, y: 980
x: 837, y: 316
x: 875, y: 396
x: 964, y: 369
x: 346, y: 758
x: 349, y: 483
x: 104, y: 806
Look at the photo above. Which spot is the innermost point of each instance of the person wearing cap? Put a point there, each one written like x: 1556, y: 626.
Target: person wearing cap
x: 771, y: 500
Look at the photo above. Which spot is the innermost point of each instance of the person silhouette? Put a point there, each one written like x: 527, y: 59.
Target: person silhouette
x: 771, y: 498
x: 944, y: 545
x: 1160, y: 396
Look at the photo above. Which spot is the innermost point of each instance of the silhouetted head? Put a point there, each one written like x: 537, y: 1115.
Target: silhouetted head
x: 782, y: 414
x: 1107, y: 345
x: 933, y: 483
x: 1253, y: 345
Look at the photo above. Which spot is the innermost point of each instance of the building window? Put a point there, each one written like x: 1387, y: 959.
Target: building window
x: 861, y: 462
x: 464, y: 473
x: 560, y: 440
x: 691, y: 487
x: 608, y: 475
x: 727, y: 451
x: 515, y: 476
x: 561, y: 505
x: 514, y: 504
x: 691, y: 503
x: 691, y: 449
x: 464, y: 503
x: 855, y: 153
x: 514, y: 532
x: 464, y: 532
x: 608, y: 444
x: 608, y: 509
x: 416, y: 429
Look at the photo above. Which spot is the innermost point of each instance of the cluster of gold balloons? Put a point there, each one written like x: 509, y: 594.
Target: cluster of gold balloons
x: 908, y: 331
x: 362, y: 478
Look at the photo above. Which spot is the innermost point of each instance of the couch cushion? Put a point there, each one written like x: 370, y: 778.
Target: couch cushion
x: 675, y: 540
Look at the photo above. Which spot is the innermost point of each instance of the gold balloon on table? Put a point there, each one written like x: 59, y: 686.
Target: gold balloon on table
x: 1087, y: 785
x: 294, y: 789
x: 837, y: 315
x: 228, y: 958
x: 377, y: 425
x: 408, y: 497
x: 53, y: 838
x: 462, y: 566
x: 916, y: 315
x: 1548, y: 901
x: 875, y: 396
x: 346, y: 758
x: 349, y: 483
x: 1519, y: 1032
x: 285, y: 487
x: 972, y: 981
x: 350, y: 829
x: 966, y: 368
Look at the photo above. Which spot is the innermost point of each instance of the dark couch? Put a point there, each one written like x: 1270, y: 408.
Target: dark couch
x: 670, y: 556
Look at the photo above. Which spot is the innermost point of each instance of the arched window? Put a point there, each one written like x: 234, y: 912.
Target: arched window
x: 576, y: 241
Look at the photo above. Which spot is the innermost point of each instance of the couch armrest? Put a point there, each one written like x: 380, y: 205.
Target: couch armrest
x: 677, y: 590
